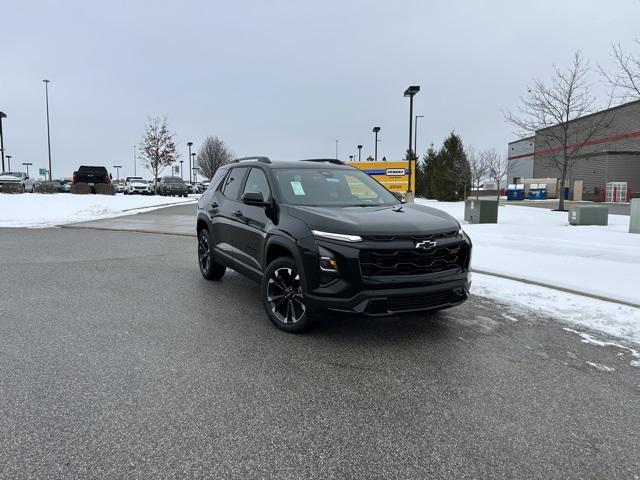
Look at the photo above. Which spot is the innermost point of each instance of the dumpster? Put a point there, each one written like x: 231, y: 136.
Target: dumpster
x: 481, y: 210
x: 538, y: 191
x: 515, y: 191
x: 589, y: 215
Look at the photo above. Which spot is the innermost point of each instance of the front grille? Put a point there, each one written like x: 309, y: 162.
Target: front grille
x: 415, y: 261
x: 417, y: 238
x: 399, y: 304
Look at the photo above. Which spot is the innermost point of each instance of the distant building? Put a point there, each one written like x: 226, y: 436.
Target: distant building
x: 612, y: 156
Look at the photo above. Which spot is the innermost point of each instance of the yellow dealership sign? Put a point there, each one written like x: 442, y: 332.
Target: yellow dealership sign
x: 393, y: 175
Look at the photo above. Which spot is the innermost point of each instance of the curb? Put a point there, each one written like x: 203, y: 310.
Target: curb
x: 555, y: 287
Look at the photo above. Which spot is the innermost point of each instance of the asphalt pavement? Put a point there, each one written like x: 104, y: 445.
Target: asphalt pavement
x: 118, y: 360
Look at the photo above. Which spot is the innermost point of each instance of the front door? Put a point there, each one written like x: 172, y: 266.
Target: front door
x: 226, y: 224
x: 254, y: 221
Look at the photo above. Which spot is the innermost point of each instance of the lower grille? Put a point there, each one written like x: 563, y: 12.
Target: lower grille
x: 399, y: 304
x: 383, y: 262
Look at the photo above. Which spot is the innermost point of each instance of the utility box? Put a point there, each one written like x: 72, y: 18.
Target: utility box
x: 589, y: 215
x: 481, y: 210
x: 634, y: 224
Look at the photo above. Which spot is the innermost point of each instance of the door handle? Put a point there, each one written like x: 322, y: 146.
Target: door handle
x: 237, y: 213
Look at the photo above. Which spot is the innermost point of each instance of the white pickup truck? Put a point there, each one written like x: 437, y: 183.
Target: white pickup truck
x: 15, y: 182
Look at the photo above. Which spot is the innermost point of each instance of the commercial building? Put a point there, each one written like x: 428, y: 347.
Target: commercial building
x: 612, y: 155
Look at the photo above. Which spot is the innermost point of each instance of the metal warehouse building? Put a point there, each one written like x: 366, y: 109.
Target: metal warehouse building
x: 611, y: 156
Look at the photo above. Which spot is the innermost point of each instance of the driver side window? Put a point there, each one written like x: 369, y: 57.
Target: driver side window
x: 257, y: 183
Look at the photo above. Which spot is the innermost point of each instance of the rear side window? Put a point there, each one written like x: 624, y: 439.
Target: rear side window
x: 217, y: 178
x: 233, y: 182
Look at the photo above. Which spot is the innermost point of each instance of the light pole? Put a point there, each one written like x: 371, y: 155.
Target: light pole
x: 134, y: 162
x: 410, y: 92
x: 2, y: 115
x: 195, y: 174
x: 375, y: 156
x: 336, y: 149
x: 195, y: 169
x: 118, y: 167
x: 189, y: 144
x: 351, y: 158
x: 27, y: 165
x: 359, y: 152
x: 181, y: 176
x: 46, y: 94
x: 415, y: 137
x: 9, y: 162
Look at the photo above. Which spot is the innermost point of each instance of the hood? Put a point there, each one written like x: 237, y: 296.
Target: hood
x: 411, y: 219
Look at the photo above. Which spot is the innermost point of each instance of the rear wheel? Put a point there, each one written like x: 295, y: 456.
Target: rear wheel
x: 283, y: 296
x: 209, y: 268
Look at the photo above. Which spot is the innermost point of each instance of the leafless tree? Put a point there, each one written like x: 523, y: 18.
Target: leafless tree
x: 213, y: 154
x: 479, y: 167
x: 498, y: 166
x: 157, y: 148
x: 625, y: 79
x: 549, y: 110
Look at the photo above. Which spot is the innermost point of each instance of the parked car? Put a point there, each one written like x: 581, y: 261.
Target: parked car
x: 127, y: 181
x: 14, y: 181
x: 172, y: 186
x: 320, y: 235
x: 92, y: 175
x: 139, y: 186
x: 119, y: 187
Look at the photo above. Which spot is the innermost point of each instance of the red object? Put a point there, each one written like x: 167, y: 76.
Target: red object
x: 106, y: 179
x: 629, y: 194
x: 75, y: 177
x: 601, y: 195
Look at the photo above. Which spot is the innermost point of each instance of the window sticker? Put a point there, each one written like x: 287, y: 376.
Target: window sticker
x: 333, y: 180
x: 297, y: 188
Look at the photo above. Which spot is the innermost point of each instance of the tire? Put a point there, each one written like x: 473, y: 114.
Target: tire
x: 209, y: 268
x: 283, y: 296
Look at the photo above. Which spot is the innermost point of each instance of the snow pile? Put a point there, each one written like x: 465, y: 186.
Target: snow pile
x: 37, y: 210
x: 539, y: 244
x: 611, y: 318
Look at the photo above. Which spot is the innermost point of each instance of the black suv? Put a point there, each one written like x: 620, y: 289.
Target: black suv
x: 320, y: 235
x: 172, y: 186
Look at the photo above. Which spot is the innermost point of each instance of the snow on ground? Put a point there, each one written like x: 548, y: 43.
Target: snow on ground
x: 610, y: 318
x: 37, y: 210
x: 539, y: 244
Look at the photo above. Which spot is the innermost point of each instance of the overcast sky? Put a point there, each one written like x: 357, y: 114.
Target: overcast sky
x: 282, y: 78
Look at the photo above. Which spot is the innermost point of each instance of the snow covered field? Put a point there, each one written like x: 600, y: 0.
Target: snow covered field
x: 36, y: 210
x: 539, y: 244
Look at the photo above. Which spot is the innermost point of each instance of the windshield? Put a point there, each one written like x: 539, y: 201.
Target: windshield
x: 173, y: 180
x: 326, y: 187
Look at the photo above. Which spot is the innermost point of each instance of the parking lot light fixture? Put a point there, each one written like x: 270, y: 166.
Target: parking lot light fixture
x: 190, y: 144
x: 376, y: 130
x: 410, y: 92
x: 359, y: 152
x: 27, y: 165
x: 118, y: 167
x: 134, y: 162
x: 193, y: 160
x: 46, y: 94
x: 2, y: 115
x: 9, y: 162
x: 181, y: 176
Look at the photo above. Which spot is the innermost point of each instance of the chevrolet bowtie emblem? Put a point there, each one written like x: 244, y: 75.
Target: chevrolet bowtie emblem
x: 426, y: 244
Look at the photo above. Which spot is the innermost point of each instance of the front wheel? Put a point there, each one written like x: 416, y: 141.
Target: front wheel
x: 283, y: 297
x: 209, y: 268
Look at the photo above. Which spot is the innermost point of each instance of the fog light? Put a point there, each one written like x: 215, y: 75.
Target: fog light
x: 328, y: 264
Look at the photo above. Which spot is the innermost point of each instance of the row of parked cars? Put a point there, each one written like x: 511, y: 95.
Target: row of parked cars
x: 19, y: 182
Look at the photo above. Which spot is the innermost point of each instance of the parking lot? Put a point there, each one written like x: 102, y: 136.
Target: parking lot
x: 120, y: 361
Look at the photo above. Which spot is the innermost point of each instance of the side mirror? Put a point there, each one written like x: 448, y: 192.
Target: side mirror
x: 253, y: 198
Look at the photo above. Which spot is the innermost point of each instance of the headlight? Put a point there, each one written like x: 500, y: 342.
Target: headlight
x: 337, y: 236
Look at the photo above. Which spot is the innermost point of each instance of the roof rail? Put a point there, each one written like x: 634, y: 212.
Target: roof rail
x: 335, y: 161
x: 259, y: 159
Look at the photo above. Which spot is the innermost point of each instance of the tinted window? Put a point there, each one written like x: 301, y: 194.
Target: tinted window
x: 232, y: 183
x: 257, y: 182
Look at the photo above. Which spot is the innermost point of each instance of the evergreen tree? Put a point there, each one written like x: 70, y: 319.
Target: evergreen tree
x: 450, y: 179
x: 424, y: 172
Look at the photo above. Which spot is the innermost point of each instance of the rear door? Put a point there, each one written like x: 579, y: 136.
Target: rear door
x: 226, y: 203
x: 254, y: 222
